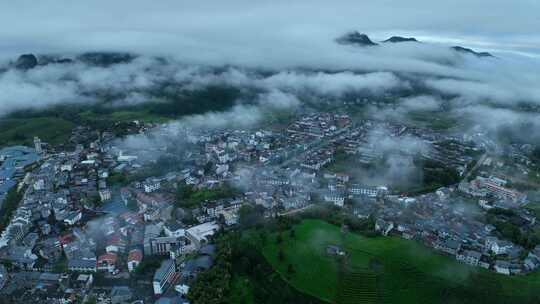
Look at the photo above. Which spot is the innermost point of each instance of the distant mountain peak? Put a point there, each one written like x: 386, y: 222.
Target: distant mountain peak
x: 26, y: 62
x: 105, y: 59
x: 355, y: 38
x: 396, y: 39
x: 470, y: 51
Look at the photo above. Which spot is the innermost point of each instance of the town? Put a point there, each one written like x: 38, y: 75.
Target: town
x: 88, y: 221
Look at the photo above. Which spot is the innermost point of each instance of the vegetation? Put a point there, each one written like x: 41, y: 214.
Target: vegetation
x: 509, y: 225
x: 385, y: 270
x: 61, y: 266
x: 188, y: 197
x: 11, y: 201
x: 250, y: 216
x: 55, y: 123
x: 53, y: 130
x: 117, y: 179
x: 213, y: 285
x: 436, y: 120
x: 148, y: 265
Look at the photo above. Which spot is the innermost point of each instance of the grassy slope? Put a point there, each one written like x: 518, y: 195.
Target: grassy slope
x: 124, y: 116
x: 56, y: 130
x: 411, y: 273
x: 22, y: 131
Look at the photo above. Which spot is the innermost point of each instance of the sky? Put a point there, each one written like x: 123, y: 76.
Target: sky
x: 281, y: 36
x: 241, y: 30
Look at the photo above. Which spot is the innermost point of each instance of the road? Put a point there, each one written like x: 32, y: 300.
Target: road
x: 473, y: 169
x: 316, y: 144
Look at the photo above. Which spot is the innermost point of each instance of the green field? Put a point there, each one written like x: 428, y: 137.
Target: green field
x: 384, y: 270
x: 123, y: 116
x: 56, y: 130
x: 435, y: 120
x: 22, y: 131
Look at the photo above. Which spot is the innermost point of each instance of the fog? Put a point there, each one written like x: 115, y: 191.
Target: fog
x: 284, y: 51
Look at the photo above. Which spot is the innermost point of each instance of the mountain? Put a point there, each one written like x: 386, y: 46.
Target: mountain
x: 105, y: 59
x: 355, y: 38
x: 51, y: 59
x: 395, y: 39
x: 469, y: 51
x: 26, y: 62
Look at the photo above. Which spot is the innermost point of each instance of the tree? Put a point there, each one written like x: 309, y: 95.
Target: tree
x: 212, y: 286
x: 249, y: 216
x: 290, y: 269
x: 281, y: 255
x: 91, y: 300
x: 132, y: 205
x: 263, y: 236
x: 279, y: 239
x: 292, y: 234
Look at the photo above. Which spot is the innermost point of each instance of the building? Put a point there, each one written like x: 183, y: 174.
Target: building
x: 469, y: 257
x: 120, y: 294
x: 73, y: 217
x: 164, y: 276
x: 498, y: 246
x: 3, y: 276
x: 335, y: 197
x: 359, y: 190
x: 37, y: 145
x: 151, y: 185
x: 134, y: 259
x: 107, y: 262
x: 383, y: 226
x: 105, y: 195
x: 162, y: 245
x: 502, y: 267
x: 150, y: 232
x: 449, y: 246
x: 82, y: 265
x: 174, y: 228
x: 199, y: 234
x: 495, y: 187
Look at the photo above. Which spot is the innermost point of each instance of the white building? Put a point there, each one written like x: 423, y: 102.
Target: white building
x: 151, y: 185
x: 105, y: 195
x: 335, y: 197
x: 199, y: 234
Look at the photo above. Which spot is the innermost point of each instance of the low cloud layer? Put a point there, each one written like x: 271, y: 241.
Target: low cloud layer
x: 282, y: 53
x: 207, y: 30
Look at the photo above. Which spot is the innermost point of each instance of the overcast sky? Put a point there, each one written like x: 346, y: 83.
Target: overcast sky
x: 242, y: 30
x: 279, y: 35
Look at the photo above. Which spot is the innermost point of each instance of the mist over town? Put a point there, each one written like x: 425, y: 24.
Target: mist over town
x: 249, y: 152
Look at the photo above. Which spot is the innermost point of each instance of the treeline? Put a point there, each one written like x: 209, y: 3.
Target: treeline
x: 510, y: 226
x: 252, y: 217
x: 237, y: 259
x: 435, y: 172
x: 189, y: 197
x: 9, y: 205
x: 168, y: 102
x: 213, y: 286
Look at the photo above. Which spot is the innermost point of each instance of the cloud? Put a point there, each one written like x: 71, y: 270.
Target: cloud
x: 203, y: 29
x: 335, y: 84
x: 281, y: 52
x: 421, y: 103
x: 38, y: 88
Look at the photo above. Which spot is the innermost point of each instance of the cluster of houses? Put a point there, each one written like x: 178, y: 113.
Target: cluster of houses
x: 62, y: 236
x: 446, y: 222
x: 72, y: 225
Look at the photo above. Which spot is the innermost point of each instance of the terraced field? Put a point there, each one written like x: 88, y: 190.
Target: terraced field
x: 383, y: 270
x: 357, y: 287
